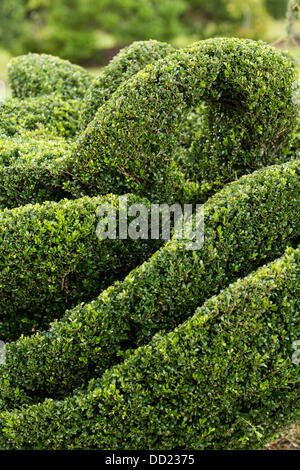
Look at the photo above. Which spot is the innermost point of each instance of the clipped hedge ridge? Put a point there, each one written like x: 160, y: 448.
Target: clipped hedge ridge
x: 33, y: 145
x: 171, y: 125
x: 202, y: 386
x: 249, y: 121
x: 33, y: 75
x: 31, y: 168
x: 121, y: 68
x: 131, y: 156
x: 52, y: 259
x: 49, y: 113
x: 243, y: 228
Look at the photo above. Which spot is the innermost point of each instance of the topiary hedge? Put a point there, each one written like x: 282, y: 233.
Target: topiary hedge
x: 48, y: 113
x: 31, y: 145
x: 33, y: 75
x: 130, y: 155
x: 249, y: 222
x: 121, y: 68
x: 31, y: 168
x: 249, y: 122
x: 51, y: 259
x: 222, y: 380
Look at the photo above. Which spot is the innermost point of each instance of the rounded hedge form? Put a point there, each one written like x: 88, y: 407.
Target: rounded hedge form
x: 249, y: 121
x: 32, y: 144
x: 52, y: 259
x: 31, y: 168
x: 121, y: 68
x: 202, y: 386
x: 248, y: 223
x: 34, y: 75
x: 48, y: 113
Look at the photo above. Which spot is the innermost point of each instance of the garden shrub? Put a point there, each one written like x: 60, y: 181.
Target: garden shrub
x: 121, y: 68
x: 52, y: 259
x: 32, y: 180
x: 50, y: 113
x: 33, y: 144
x: 31, y: 168
x: 35, y: 75
x: 224, y: 379
x: 249, y: 121
x: 248, y: 223
x: 120, y: 152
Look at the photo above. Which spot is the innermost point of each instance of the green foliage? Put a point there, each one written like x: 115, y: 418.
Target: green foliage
x: 31, y: 168
x: 211, y: 112
x: 75, y: 29
x: 12, y: 25
x: 222, y: 380
x: 52, y: 259
x: 277, y: 8
x: 228, y: 18
x: 248, y: 121
x: 71, y: 29
x: 122, y: 67
x: 249, y: 222
x: 49, y: 113
x: 35, y: 75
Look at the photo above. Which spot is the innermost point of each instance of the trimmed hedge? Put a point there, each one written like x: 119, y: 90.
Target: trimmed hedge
x: 52, y: 259
x: 222, y: 380
x: 121, y: 68
x: 48, y: 113
x: 249, y: 121
x: 31, y: 168
x: 33, y: 75
x: 248, y: 223
x: 31, y: 145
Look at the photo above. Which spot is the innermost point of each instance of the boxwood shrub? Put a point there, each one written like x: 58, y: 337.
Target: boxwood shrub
x: 248, y: 223
x: 250, y: 118
x: 31, y: 168
x: 34, y: 75
x: 50, y: 113
x: 33, y: 144
x: 51, y: 259
x: 121, y: 68
x: 224, y: 379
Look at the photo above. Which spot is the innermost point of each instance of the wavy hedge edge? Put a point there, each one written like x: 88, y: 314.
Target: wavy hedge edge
x: 34, y: 75
x: 52, y: 259
x: 75, y: 177
x: 223, y: 379
x: 121, y: 68
x: 33, y: 145
x: 32, y: 168
x: 50, y: 113
x: 243, y: 229
x: 250, y: 118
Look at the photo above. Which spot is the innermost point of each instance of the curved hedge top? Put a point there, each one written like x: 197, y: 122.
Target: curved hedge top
x: 250, y: 118
x: 206, y: 385
x: 34, y: 75
x: 51, y: 259
x: 121, y: 68
x: 243, y: 228
x: 49, y: 113
x: 32, y: 144
x: 31, y: 168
